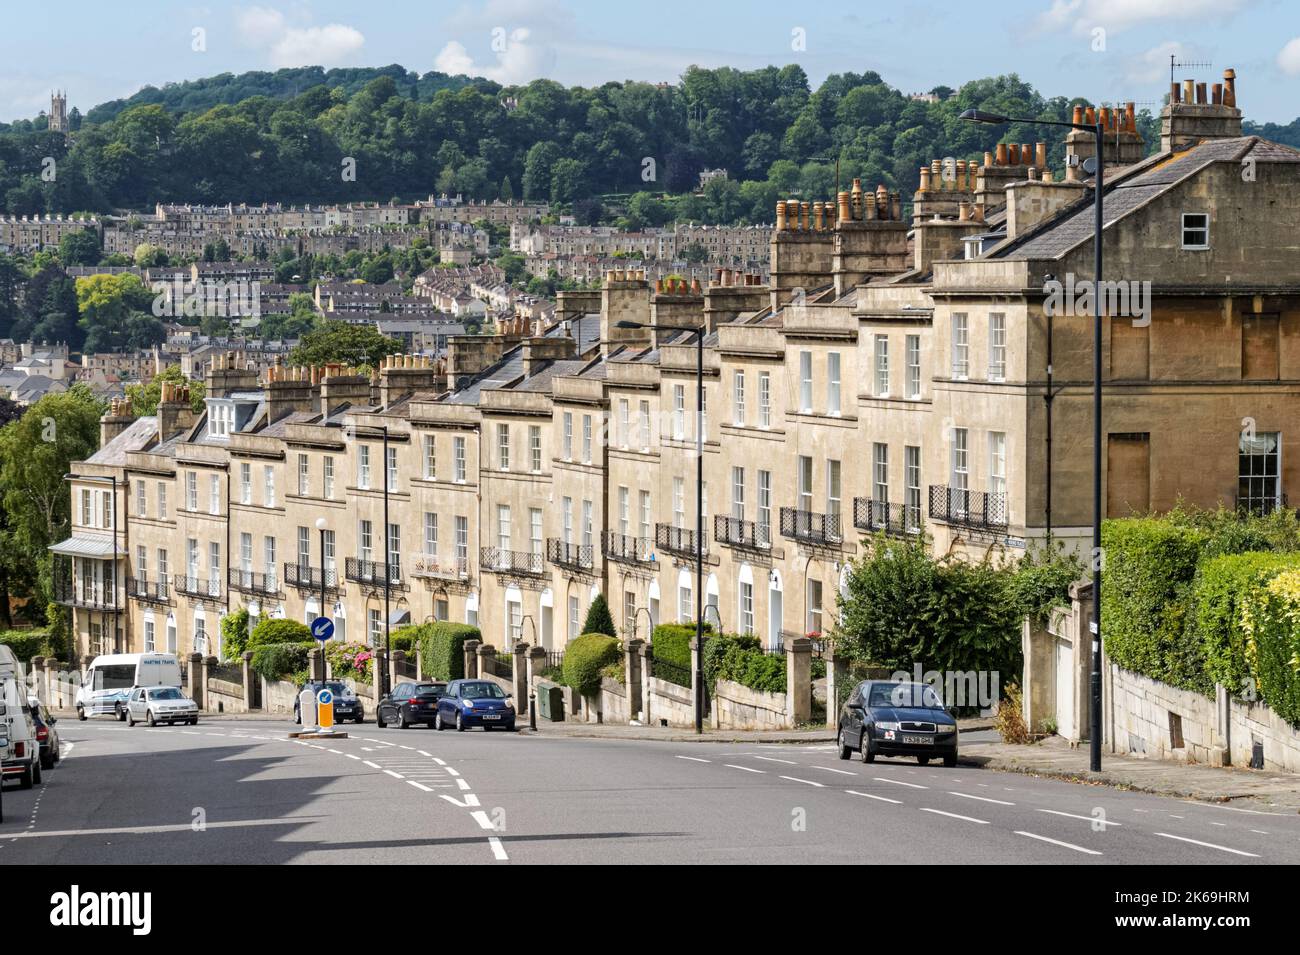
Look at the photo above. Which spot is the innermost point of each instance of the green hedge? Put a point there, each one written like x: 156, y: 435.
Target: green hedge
x: 234, y: 633
x: 1146, y: 600
x: 275, y: 661
x: 716, y: 648
x: 26, y: 643
x: 1271, y: 619
x: 584, y: 657
x: 1221, y: 587
x: 271, y: 630
x: 441, y: 646
x: 753, y: 668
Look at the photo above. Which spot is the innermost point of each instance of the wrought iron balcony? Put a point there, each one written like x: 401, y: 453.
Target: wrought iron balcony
x: 518, y: 562
x: 569, y: 556
x: 373, y: 572
x: 981, y: 510
x: 86, y: 596
x: 810, y: 528
x: 677, y: 540
x: 208, y: 589
x: 893, y: 519
x: 431, y: 567
x: 146, y: 591
x: 736, y: 532
x: 247, y: 582
x: 306, y: 577
x: 627, y: 550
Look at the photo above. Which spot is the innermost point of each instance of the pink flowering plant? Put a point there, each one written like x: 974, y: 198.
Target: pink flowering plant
x: 349, y: 660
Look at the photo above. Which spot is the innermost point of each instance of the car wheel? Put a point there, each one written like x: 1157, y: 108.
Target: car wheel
x: 923, y: 760
x: 379, y: 720
x: 57, y: 755
x: 130, y: 720
x: 437, y: 721
x: 81, y: 713
x: 26, y: 781
x: 36, y: 772
x: 402, y: 721
x: 120, y: 712
x: 297, y: 717
x: 950, y: 759
x: 152, y: 721
x: 460, y: 723
x: 194, y: 721
x: 361, y: 719
x: 845, y: 752
x: 47, y: 760
x: 864, y: 748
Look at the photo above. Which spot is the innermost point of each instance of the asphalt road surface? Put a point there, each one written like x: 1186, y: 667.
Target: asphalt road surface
x: 234, y: 791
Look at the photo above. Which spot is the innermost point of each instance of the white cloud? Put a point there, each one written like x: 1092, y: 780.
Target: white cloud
x: 297, y: 45
x: 520, y: 59
x: 1288, y: 58
x: 1081, y: 17
x: 1149, y: 68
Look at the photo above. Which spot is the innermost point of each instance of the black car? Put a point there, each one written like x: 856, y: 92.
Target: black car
x: 346, y: 704
x: 885, y: 718
x: 410, y: 703
x: 46, y: 734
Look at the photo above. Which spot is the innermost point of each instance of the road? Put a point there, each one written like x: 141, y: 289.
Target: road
x: 239, y: 791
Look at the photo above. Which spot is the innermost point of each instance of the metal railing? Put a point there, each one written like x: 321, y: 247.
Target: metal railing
x: 809, y: 527
x: 306, y: 577
x: 893, y: 519
x: 197, y: 586
x: 248, y: 582
x: 497, y: 561
x: 737, y: 532
x: 504, y: 664
x: 67, y: 592
x: 373, y: 572
x: 571, y: 556
x: 627, y: 550
x: 671, y: 672
x: 430, y: 566
x: 148, y: 591
x: 983, y: 510
x: 555, y: 658
x: 677, y: 540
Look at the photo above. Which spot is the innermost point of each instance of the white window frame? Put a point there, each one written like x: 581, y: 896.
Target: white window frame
x: 1186, y: 228
x: 912, y: 349
x: 997, y: 346
x: 833, y: 372
x: 960, y: 346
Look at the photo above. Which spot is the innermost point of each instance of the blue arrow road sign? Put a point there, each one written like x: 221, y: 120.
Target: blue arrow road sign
x: 322, y: 628
x: 325, y: 697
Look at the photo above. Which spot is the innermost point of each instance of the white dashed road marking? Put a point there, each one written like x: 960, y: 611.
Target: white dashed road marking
x: 1099, y: 821
x: 1000, y: 802
x: 1208, y: 845
x: 899, y: 782
x: 1058, y: 842
x: 854, y: 792
x: 953, y: 815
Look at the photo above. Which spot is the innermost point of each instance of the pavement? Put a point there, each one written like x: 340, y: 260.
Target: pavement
x: 240, y: 791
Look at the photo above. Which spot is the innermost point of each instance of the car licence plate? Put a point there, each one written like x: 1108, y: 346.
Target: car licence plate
x: 917, y: 740
x: 491, y: 716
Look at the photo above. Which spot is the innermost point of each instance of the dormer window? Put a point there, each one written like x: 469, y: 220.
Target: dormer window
x: 1196, y: 230
x: 221, y: 419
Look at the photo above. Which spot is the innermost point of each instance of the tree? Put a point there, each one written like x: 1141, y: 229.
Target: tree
x: 599, y: 619
x: 113, y: 309
x: 79, y: 248
x: 145, y: 397
x: 337, y: 341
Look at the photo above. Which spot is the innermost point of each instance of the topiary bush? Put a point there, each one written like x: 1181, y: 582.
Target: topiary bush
x: 599, y: 619
x: 671, y: 644
x: 272, y: 630
x: 275, y: 661
x: 442, y: 648
x: 584, y: 657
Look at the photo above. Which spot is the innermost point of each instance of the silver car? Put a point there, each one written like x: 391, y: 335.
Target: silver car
x: 160, y: 704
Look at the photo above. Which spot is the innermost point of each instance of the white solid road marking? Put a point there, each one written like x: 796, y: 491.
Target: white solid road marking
x: 394, y: 775
x: 899, y: 782
x: 842, y: 772
x: 482, y: 819
x: 372, y: 765
x: 694, y: 759
x: 464, y: 786
x: 351, y: 756
x: 854, y: 792
x: 404, y: 746
x: 452, y: 772
x: 1071, y: 815
x: 953, y: 815
x: 1000, y: 802
x: 412, y: 782
x: 145, y: 830
x: 1260, y: 831
x: 1208, y: 845
x: 438, y: 761
x: 498, y: 850
x: 423, y: 753
x: 773, y: 759
x: 470, y: 800
x: 744, y: 769
x: 807, y: 782
x: 1058, y: 842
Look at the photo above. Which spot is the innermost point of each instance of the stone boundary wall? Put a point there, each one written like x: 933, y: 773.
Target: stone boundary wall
x: 737, y: 707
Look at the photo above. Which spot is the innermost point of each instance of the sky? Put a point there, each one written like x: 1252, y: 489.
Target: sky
x: 1104, y: 50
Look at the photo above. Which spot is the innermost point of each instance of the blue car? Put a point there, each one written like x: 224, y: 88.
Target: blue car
x: 474, y: 703
x: 884, y: 718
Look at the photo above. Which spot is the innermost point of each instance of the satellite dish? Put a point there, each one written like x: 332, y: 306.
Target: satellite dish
x: 1090, y: 165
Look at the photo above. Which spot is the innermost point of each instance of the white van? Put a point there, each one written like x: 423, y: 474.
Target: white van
x: 21, y: 758
x: 110, y: 679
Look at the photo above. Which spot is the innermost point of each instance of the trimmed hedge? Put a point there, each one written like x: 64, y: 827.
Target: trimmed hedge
x: 1222, y: 585
x: 26, y: 643
x: 1271, y: 619
x: 671, y: 642
x: 1146, y: 598
x: 716, y: 648
x: 441, y: 645
x: 271, y: 630
x: 275, y: 661
x: 234, y: 633
x: 584, y: 657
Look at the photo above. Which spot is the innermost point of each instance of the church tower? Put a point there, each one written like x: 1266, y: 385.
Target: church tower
x: 59, y: 112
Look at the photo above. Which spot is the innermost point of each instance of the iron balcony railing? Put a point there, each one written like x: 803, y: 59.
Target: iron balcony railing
x: 248, y: 582
x: 430, y: 566
x: 897, y: 520
x: 208, y: 588
x: 148, y: 591
x: 306, y: 577
x: 678, y: 540
x: 810, y: 528
x: 569, y: 556
x: 88, y: 597
x: 737, y: 532
x: 497, y: 561
x: 981, y: 510
x: 373, y: 572
x: 625, y: 549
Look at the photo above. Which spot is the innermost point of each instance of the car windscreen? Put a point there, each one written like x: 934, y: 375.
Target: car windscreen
x: 429, y: 689
x: 166, y: 693
x: 904, y: 694
x: 481, y: 691
x: 118, y: 676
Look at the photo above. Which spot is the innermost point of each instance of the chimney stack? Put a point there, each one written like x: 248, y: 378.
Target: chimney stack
x: 1193, y: 114
x: 118, y: 419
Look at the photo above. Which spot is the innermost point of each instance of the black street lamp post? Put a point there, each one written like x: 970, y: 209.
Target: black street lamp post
x: 1098, y: 131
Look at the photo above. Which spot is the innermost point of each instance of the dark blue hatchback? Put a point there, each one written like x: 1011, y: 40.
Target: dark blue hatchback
x: 475, y: 703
